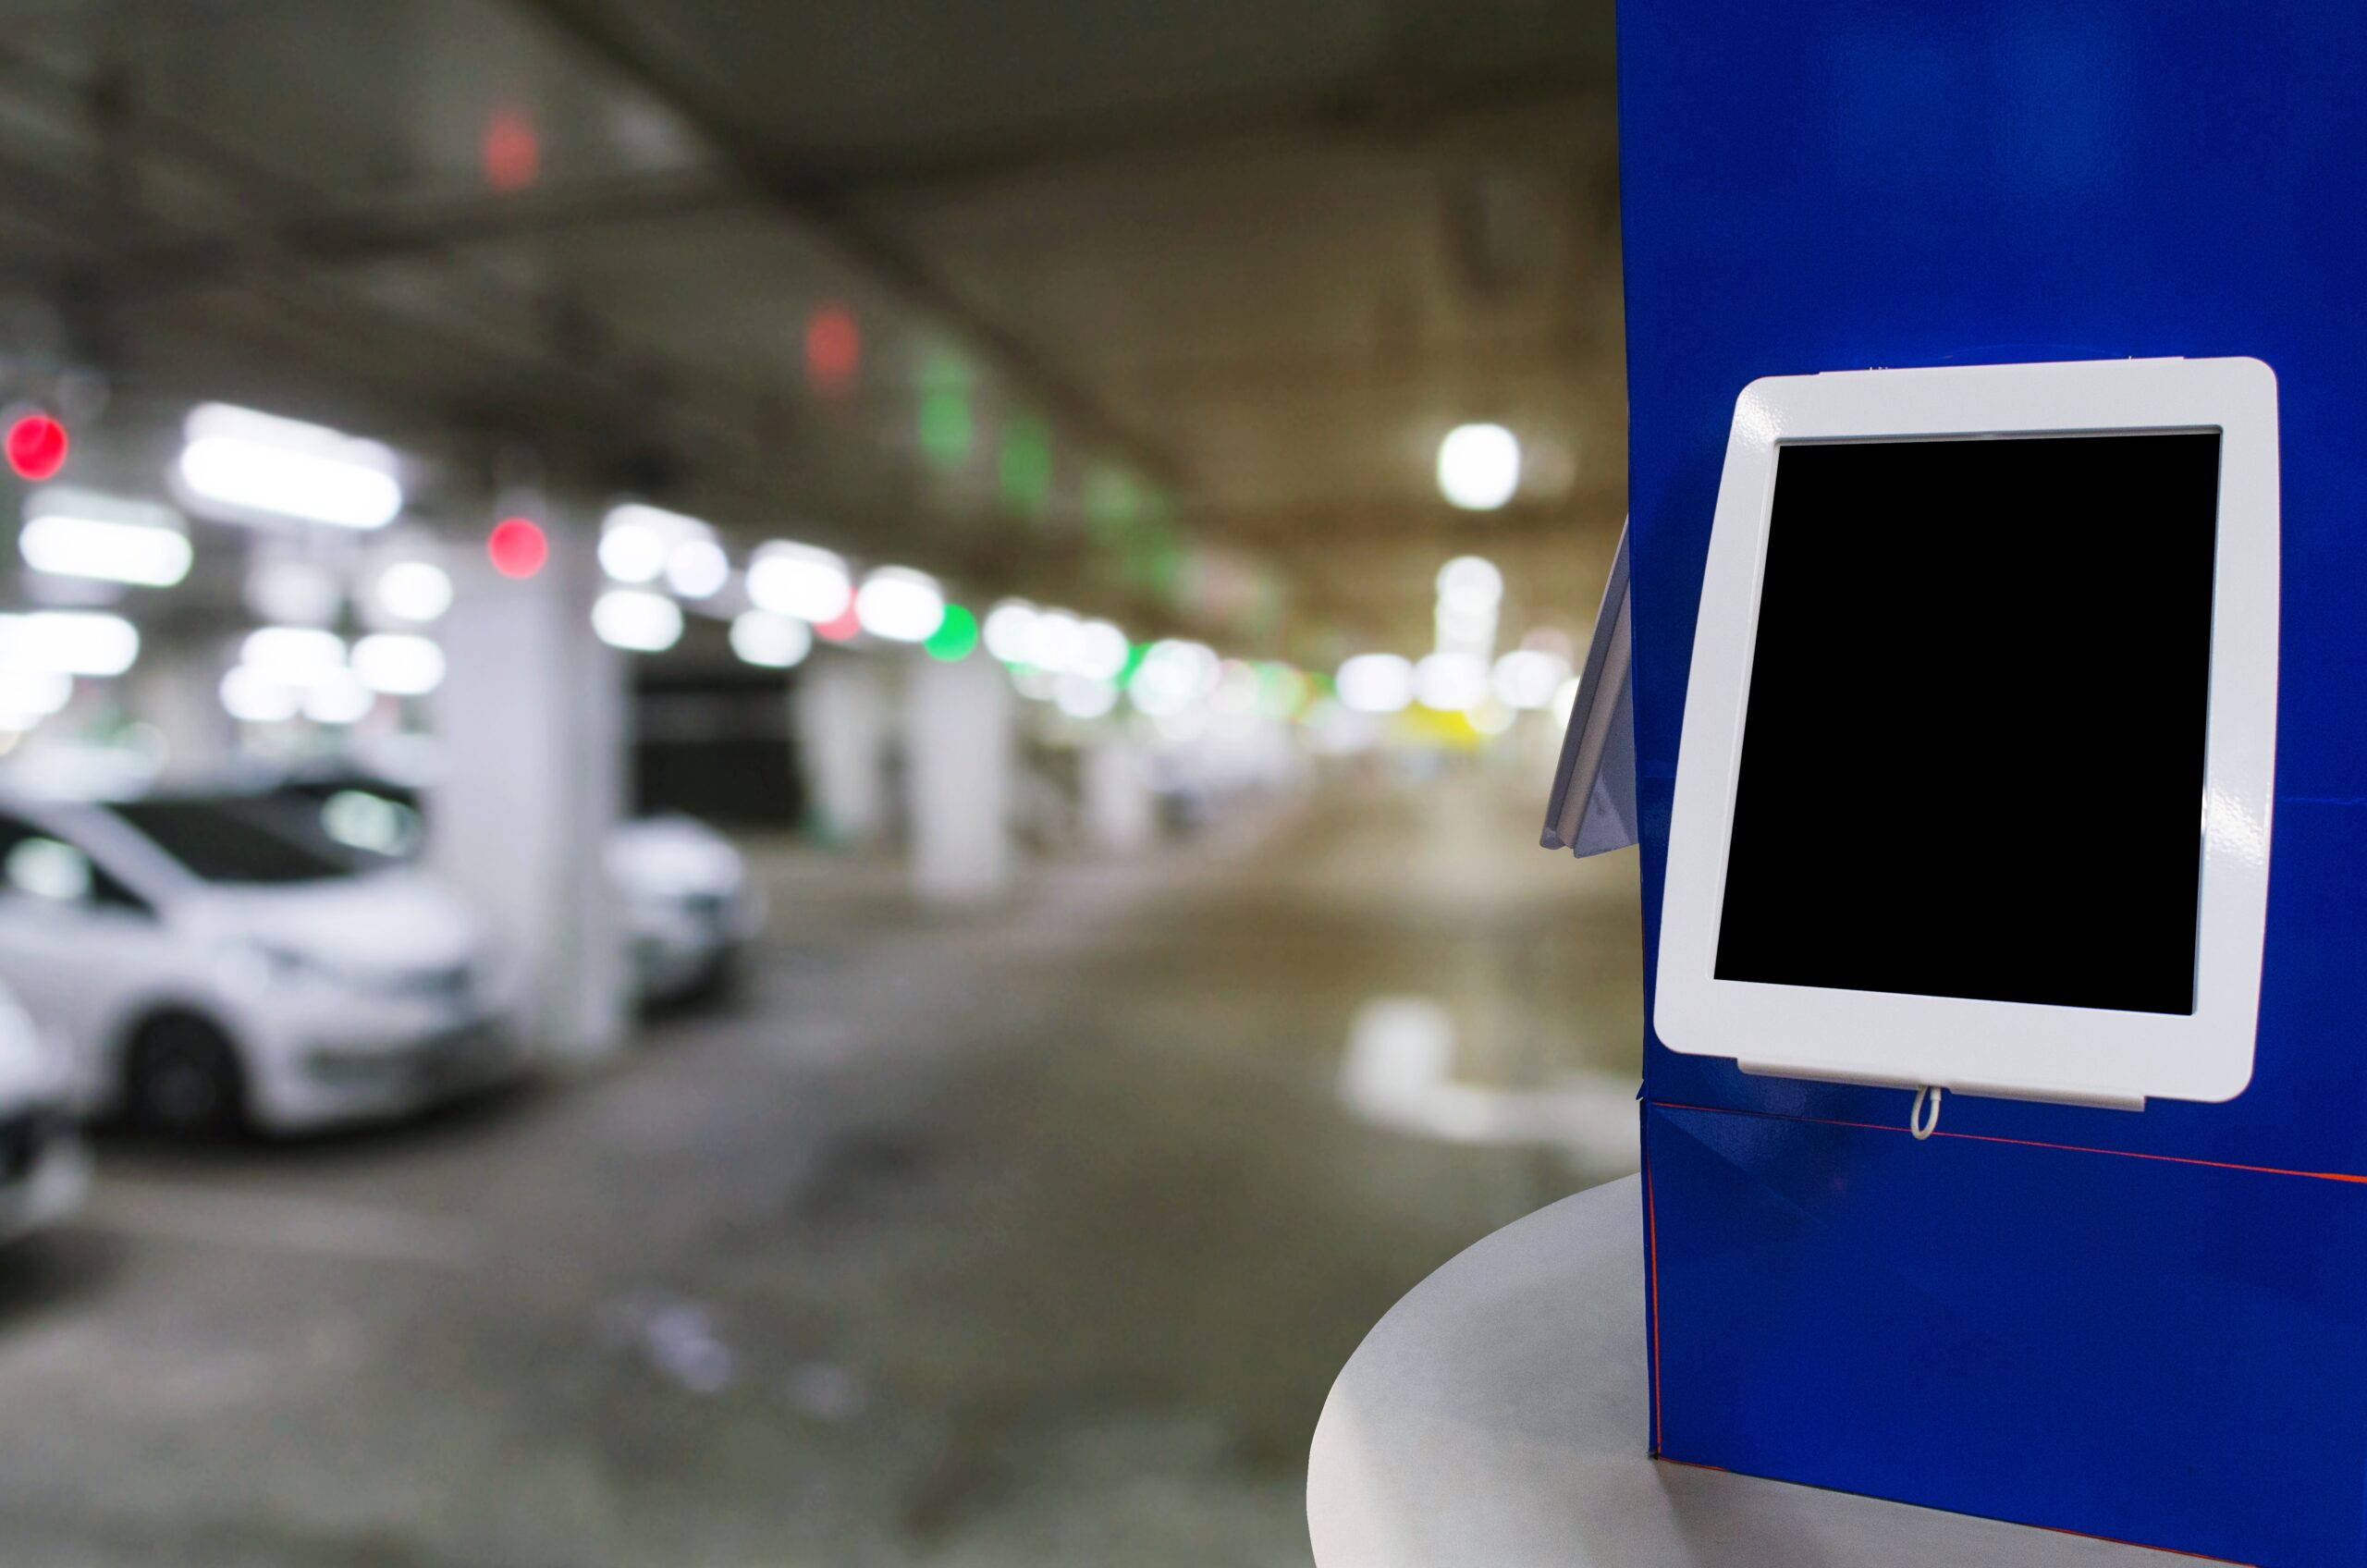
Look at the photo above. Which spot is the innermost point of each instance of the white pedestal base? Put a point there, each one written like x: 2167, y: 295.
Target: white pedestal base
x: 1496, y: 1419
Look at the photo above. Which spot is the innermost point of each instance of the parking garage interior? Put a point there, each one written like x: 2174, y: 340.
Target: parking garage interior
x: 770, y: 776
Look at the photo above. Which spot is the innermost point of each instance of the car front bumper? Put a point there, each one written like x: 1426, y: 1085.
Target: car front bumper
x: 333, y: 1076
x: 681, y: 947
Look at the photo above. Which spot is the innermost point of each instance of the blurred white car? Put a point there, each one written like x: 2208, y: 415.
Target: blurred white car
x: 690, y: 909
x: 44, y: 1171
x: 213, y: 967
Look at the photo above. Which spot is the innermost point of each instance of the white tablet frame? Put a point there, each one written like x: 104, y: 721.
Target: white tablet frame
x: 2082, y: 1055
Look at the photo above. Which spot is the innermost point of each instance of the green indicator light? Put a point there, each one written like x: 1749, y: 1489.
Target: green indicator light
x: 1164, y: 569
x: 945, y: 423
x: 1111, y: 505
x: 1027, y: 469
x: 955, y: 636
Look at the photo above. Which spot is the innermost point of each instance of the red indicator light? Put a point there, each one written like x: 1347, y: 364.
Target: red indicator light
x: 36, y: 447
x: 517, y: 548
x: 510, y: 151
x: 833, y: 348
x: 840, y: 627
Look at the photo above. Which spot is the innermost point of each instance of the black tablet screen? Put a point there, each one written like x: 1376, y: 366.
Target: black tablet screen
x: 1973, y: 762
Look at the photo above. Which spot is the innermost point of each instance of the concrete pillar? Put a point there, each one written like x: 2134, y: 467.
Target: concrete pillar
x: 178, y: 687
x: 1120, y: 811
x: 841, y: 718
x: 958, y: 768
x: 531, y: 720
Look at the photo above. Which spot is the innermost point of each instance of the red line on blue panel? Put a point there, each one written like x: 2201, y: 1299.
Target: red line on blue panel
x: 2145, y: 1545
x: 2020, y: 1143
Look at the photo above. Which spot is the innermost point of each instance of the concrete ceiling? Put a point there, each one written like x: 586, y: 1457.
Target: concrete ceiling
x: 1243, y: 263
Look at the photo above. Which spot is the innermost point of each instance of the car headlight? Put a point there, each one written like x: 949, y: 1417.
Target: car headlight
x: 254, y: 965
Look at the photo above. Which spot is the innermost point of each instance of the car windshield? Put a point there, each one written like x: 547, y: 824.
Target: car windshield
x: 234, y: 841
x: 370, y: 822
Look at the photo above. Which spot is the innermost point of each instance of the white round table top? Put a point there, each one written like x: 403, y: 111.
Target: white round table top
x: 1496, y: 1419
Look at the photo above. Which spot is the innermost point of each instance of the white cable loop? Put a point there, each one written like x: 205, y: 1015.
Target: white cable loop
x: 1918, y: 1123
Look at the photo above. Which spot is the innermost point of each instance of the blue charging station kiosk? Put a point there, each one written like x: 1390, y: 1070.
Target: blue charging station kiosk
x: 2149, y: 1326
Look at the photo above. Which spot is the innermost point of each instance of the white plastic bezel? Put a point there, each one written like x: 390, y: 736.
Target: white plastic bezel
x: 2085, y: 1055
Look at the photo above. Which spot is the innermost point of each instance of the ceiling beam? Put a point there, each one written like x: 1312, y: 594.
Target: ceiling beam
x: 410, y: 227
x: 1383, y: 106
x: 1300, y: 530
x: 829, y: 214
x: 443, y: 357
x: 343, y: 238
x: 476, y: 387
x: 1575, y: 356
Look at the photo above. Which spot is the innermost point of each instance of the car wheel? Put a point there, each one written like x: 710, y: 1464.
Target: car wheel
x: 184, y: 1078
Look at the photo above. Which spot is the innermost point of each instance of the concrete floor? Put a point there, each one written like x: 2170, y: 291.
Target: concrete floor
x: 1031, y: 1238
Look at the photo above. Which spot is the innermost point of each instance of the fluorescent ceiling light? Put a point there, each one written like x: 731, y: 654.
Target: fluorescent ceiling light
x: 344, y: 698
x: 252, y: 697
x: 247, y: 467
x: 774, y: 642
x: 399, y: 664
x: 1479, y: 467
x: 630, y: 552
x: 1471, y: 585
x: 68, y: 642
x: 1375, y: 683
x: 299, y: 656
x: 634, y: 539
x: 1007, y: 629
x: 668, y: 526
x: 639, y: 543
x: 1527, y: 677
x: 1054, y: 639
x: 78, y: 533
x: 698, y: 568
x: 1101, y: 650
x: 1173, y: 676
x: 1084, y: 697
x: 799, y: 580
x: 637, y: 620
x: 414, y: 590
x: 1450, y: 682
x: 900, y: 605
x: 35, y: 693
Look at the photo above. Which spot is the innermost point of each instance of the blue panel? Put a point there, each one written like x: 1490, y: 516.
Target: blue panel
x: 1836, y: 184
x: 2155, y: 1352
